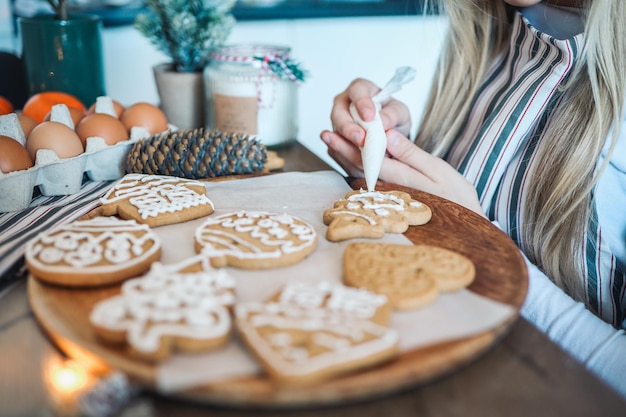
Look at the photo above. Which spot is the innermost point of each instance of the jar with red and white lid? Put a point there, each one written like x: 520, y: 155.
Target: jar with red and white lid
x: 252, y: 89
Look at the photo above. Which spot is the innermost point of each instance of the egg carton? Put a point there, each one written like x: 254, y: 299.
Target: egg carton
x: 64, y: 176
x: 55, y: 176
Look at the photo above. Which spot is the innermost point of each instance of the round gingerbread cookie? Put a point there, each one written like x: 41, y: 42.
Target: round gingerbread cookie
x: 94, y: 252
x: 255, y: 240
x: 412, y: 276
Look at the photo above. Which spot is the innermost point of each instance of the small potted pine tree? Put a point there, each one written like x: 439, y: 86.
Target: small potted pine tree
x: 186, y: 31
x: 62, y: 51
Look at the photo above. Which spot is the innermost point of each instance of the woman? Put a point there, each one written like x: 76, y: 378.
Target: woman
x: 524, y: 126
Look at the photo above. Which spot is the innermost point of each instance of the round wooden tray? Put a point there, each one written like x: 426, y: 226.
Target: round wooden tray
x: 501, y: 275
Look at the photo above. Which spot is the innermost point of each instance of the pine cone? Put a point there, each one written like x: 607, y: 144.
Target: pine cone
x: 196, y: 154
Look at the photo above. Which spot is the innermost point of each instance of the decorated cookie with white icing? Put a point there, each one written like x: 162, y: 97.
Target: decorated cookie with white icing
x: 371, y: 214
x: 255, y: 240
x: 312, y: 332
x: 88, y: 253
x: 183, y: 307
x: 157, y: 200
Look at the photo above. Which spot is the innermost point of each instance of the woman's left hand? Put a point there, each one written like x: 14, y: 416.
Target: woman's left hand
x: 410, y: 166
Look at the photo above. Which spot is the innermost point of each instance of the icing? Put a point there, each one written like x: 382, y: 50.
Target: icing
x: 153, y: 195
x: 353, y: 301
x: 381, y: 203
x: 272, y: 235
x: 373, y: 205
x: 299, y: 341
x: 102, y: 244
x: 168, y: 302
x: 312, y: 327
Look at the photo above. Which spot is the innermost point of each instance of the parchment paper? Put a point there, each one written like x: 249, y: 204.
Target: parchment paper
x: 305, y: 195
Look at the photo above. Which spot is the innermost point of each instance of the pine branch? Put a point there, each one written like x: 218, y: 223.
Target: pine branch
x: 283, y: 68
x: 187, y: 30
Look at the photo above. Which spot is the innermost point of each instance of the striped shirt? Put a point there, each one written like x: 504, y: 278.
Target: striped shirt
x: 497, y: 143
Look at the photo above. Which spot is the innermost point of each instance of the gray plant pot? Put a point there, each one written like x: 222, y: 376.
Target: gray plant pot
x: 181, y: 95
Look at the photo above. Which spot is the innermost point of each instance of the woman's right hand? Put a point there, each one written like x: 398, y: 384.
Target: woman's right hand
x: 347, y: 137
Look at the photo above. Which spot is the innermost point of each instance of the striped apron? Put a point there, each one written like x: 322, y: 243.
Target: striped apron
x: 497, y: 141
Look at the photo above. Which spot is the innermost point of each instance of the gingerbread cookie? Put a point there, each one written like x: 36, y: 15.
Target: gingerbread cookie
x: 350, y: 301
x: 412, y: 276
x: 98, y: 251
x: 371, y: 214
x: 157, y: 200
x: 311, y: 332
x: 184, y: 307
x: 255, y: 240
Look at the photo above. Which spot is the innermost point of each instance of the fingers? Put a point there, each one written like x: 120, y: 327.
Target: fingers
x: 358, y: 92
x: 405, y: 151
x: 342, y: 121
x: 413, y: 167
x: 346, y: 154
x: 396, y: 115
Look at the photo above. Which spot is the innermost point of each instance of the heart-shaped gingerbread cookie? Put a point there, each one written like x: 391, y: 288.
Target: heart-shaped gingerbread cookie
x: 411, y: 276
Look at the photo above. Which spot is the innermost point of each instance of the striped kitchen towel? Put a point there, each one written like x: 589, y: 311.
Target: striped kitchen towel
x: 17, y: 228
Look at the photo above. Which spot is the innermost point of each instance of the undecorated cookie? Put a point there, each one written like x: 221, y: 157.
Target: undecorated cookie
x: 411, y: 276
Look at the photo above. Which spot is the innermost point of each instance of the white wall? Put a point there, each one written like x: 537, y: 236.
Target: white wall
x: 334, y: 51
x: 7, y: 43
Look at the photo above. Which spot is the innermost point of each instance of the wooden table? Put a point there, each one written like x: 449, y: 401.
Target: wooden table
x: 524, y: 374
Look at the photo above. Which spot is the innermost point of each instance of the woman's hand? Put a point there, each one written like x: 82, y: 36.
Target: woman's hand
x: 347, y: 137
x: 395, y: 115
x: 405, y: 164
x: 411, y: 166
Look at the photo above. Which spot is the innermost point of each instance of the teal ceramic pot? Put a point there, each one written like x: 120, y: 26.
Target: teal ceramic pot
x: 64, y: 55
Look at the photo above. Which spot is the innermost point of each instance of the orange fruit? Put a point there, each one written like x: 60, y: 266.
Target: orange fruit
x: 38, y: 105
x: 5, y: 106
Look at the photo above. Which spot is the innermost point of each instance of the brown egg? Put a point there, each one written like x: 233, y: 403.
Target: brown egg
x: 27, y: 123
x: 55, y: 136
x: 75, y: 114
x: 13, y: 156
x: 102, y: 125
x: 117, y: 106
x: 145, y: 115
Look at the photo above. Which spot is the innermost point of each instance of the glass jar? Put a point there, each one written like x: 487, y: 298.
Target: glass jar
x: 250, y: 89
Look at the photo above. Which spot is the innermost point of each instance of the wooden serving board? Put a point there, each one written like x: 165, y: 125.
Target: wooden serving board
x: 501, y: 275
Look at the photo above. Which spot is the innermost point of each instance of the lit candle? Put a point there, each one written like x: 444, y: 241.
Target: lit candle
x: 66, y: 381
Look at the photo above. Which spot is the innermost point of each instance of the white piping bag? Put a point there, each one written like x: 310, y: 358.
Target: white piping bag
x: 373, y: 150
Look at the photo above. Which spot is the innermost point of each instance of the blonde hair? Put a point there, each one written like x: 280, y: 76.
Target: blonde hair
x: 558, y: 206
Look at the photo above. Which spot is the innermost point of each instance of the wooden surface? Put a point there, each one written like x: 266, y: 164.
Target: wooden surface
x: 501, y: 275
x: 524, y: 374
